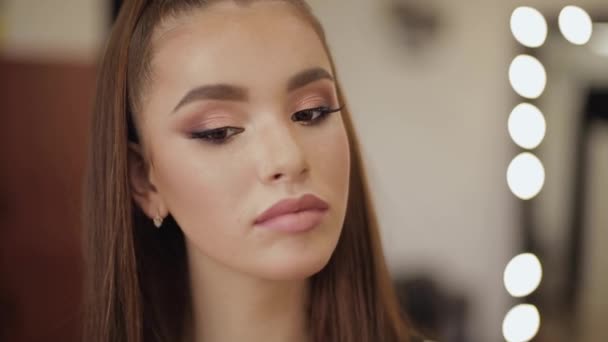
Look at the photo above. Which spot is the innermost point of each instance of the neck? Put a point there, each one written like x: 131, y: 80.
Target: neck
x: 232, y: 306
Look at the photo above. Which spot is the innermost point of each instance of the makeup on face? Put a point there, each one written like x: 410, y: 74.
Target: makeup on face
x: 214, y: 113
x: 293, y: 214
x: 226, y: 92
x: 242, y: 123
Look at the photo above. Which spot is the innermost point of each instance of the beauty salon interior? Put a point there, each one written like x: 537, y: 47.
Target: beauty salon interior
x: 483, y: 127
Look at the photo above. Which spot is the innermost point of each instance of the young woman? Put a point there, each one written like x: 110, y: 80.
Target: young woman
x: 226, y: 198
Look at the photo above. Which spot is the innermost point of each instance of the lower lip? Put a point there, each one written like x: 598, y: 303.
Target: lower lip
x: 295, y: 222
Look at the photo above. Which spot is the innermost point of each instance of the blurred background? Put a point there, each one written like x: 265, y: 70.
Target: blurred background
x: 484, y: 125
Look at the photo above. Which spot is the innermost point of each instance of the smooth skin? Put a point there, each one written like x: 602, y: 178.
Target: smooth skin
x: 253, y: 68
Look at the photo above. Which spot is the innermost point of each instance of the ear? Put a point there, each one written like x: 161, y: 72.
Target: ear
x: 143, y: 190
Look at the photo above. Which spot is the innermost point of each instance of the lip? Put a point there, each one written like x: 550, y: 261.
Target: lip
x: 294, y: 214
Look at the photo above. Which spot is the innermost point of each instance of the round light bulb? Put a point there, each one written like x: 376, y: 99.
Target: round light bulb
x: 522, y: 275
x: 521, y: 324
x: 575, y: 24
x: 526, y: 176
x: 528, y: 26
x: 527, y: 76
x: 527, y: 125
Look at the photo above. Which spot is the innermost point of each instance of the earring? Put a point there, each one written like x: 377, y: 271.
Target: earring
x: 158, y: 221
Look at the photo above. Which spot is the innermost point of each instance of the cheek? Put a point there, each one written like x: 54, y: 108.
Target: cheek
x: 333, y: 162
x: 202, y: 192
x: 212, y: 195
x: 330, y: 173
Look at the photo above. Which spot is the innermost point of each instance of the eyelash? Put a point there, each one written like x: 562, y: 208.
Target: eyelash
x: 323, y: 113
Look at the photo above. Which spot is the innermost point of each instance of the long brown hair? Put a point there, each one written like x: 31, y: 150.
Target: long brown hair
x: 137, y: 286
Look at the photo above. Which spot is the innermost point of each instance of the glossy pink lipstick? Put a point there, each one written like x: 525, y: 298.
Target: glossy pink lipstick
x: 293, y: 215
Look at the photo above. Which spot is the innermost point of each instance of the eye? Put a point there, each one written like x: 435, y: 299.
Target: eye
x: 313, y: 116
x: 217, y: 135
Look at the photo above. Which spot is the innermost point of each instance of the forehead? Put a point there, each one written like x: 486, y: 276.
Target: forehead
x: 226, y: 42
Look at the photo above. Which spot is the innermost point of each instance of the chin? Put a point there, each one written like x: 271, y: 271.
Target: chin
x: 296, y: 256
x: 296, y: 264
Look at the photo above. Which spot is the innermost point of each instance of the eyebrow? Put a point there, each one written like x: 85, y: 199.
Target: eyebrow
x: 227, y: 92
x: 222, y: 92
x: 306, y: 77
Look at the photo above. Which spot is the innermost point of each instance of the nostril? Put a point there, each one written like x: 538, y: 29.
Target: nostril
x: 277, y: 176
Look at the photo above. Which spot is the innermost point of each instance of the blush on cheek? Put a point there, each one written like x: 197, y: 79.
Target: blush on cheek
x: 342, y: 150
x: 202, y: 189
x: 334, y: 163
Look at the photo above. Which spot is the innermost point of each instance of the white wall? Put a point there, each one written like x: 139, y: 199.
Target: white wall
x: 53, y: 29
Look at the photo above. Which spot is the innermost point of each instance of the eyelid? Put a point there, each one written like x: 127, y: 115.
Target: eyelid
x: 315, y: 96
x: 311, y: 97
x: 210, y: 118
x: 211, y: 108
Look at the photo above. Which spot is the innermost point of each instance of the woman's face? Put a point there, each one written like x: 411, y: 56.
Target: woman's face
x: 250, y: 68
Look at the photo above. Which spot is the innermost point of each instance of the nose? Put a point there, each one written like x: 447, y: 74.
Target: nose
x: 283, y: 158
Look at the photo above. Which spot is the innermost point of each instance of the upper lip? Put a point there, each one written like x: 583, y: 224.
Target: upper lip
x: 292, y: 205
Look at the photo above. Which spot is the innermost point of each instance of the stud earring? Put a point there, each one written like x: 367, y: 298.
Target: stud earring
x: 158, y: 221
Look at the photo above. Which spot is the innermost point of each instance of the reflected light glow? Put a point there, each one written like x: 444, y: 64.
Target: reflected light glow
x: 526, y: 176
x: 528, y: 26
x: 527, y: 76
x: 521, y: 323
x: 527, y: 126
x: 599, y: 43
x: 575, y: 24
x: 522, y: 275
